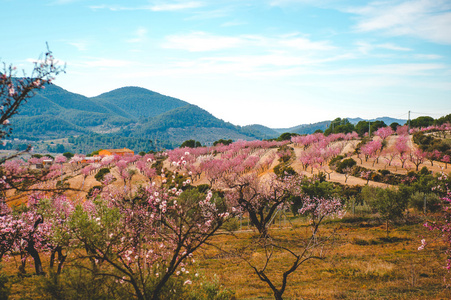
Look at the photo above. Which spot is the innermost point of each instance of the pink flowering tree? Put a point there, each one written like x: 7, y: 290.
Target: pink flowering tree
x: 417, y: 157
x: 15, y: 91
x: 384, y: 132
x: 148, y: 242
x: 442, y: 223
x: 262, y: 199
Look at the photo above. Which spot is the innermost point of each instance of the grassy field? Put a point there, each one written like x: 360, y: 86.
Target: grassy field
x: 361, y: 263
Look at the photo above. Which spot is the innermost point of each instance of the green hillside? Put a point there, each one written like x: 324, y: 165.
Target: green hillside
x: 138, y: 102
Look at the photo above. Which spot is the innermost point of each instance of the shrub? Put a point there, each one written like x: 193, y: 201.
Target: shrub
x: 4, y: 288
x: 232, y: 224
x: 346, y: 163
x: 433, y: 202
x: 93, y: 190
x: 101, y: 174
x: 384, y: 172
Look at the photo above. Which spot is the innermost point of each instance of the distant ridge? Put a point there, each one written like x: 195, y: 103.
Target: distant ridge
x: 135, y: 113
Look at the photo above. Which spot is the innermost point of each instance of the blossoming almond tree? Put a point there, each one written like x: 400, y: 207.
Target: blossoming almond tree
x: 14, y: 92
x: 261, y: 198
x: 145, y: 242
x: 442, y: 224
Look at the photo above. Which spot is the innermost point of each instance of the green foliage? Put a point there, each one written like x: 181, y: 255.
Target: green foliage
x: 319, y: 189
x: 5, y: 289
x: 394, y: 126
x: 222, y: 141
x: 375, y: 125
x: 429, y: 143
x: 442, y: 120
x: 101, y: 174
x: 286, y: 136
x: 346, y: 163
x: 191, y: 144
x: 78, y: 283
x: 389, y: 203
x: 363, y: 127
x: 423, y: 121
x: 417, y: 201
x: 282, y: 170
x: 94, y: 189
x: 137, y: 102
x: 203, y: 188
x: 211, y: 290
x: 91, y: 142
x: 339, y: 126
x: 232, y: 224
x: 68, y: 155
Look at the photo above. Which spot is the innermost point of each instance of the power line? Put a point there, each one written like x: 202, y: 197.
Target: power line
x: 425, y: 113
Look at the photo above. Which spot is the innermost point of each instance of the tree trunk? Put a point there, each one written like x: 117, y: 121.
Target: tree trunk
x: 387, y: 227
x: 37, y: 260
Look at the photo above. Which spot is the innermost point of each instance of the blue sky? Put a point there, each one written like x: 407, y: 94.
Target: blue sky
x: 278, y: 63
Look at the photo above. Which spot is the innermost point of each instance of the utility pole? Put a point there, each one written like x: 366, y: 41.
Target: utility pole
x: 369, y: 128
x: 408, y: 123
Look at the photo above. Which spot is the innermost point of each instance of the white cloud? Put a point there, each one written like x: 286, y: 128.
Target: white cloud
x: 306, y: 44
x: 138, y: 36
x: 104, y: 62
x: 366, y: 48
x: 390, y: 46
x: 80, y: 45
x: 425, y: 19
x: 428, y: 56
x: 175, y: 6
x: 233, y: 23
x: 201, y: 41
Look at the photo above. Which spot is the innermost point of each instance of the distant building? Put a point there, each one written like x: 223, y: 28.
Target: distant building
x: 119, y: 152
x: 91, y: 159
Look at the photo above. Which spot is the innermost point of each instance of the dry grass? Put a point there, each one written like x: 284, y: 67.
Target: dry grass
x: 378, y: 268
x: 362, y: 264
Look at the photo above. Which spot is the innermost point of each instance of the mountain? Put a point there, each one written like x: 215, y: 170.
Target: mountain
x: 129, y: 114
x: 136, y: 102
x: 386, y: 120
x: 187, y: 122
x: 323, y: 125
x: 134, y: 117
x: 260, y: 130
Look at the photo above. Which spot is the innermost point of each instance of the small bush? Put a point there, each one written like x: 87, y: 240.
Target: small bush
x: 346, y: 163
x: 4, y: 288
x: 101, y: 174
x: 211, y: 290
x: 384, y: 172
x: 433, y: 202
x: 232, y: 224
x: 94, y: 190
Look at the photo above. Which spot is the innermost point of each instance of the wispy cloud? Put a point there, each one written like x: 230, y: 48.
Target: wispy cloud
x: 366, y: 48
x: 80, y: 45
x: 233, y: 23
x: 428, y: 56
x: 426, y: 19
x: 105, y: 62
x: 306, y: 44
x: 138, y: 36
x: 62, y: 2
x: 175, y: 6
x: 202, y: 41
